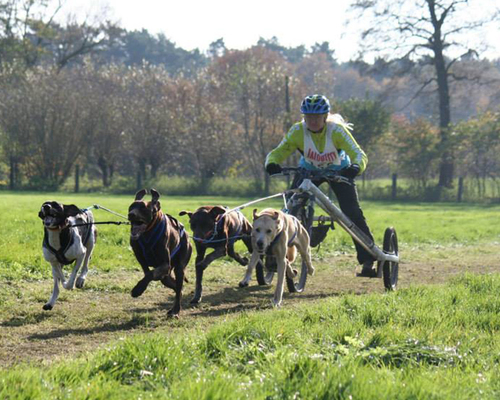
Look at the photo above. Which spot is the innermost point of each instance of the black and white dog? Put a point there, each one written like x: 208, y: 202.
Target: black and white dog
x: 64, y: 244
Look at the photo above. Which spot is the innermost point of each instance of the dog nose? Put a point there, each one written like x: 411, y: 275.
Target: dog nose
x: 260, y: 244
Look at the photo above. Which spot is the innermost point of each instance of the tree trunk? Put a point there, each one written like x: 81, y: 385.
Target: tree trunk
x: 103, y: 165
x: 267, y: 184
x: 446, y: 167
x: 12, y: 177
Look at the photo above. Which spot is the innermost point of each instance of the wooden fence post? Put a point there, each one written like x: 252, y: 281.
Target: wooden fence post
x: 394, y: 186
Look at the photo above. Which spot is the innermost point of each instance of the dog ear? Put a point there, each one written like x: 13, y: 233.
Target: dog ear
x: 155, y: 203
x: 276, y: 215
x: 217, y: 210
x: 71, y: 210
x: 184, y: 212
x: 140, y: 194
x: 44, y: 209
x: 255, y: 215
x: 154, y: 195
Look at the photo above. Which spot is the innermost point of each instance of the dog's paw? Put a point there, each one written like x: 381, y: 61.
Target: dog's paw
x: 80, y: 282
x: 276, y: 303
x: 196, y: 298
x: 243, y: 284
x: 173, y: 314
x: 138, y: 289
x: 47, y: 307
x: 292, y: 274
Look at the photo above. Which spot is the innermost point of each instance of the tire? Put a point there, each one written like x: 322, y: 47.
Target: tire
x: 306, y: 219
x: 263, y: 277
x: 390, y: 269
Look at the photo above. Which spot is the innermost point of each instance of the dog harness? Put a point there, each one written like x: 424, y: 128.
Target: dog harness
x: 69, y: 239
x: 218, y: 224
x: 148, y: 241
x: 290, y: 241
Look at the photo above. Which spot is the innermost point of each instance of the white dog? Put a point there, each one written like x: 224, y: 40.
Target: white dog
x: 280, y: 235
x: 64, y: 244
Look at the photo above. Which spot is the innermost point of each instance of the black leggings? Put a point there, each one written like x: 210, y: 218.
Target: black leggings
x: 347, y: 197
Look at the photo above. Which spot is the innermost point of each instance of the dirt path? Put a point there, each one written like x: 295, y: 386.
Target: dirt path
x: 104, y: 311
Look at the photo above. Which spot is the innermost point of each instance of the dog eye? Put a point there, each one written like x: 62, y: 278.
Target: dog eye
x: 268, y: 231
x: 258, y: 230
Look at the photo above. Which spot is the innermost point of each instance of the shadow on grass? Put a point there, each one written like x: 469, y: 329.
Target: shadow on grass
x: 134, y: 322
x: 23, y: 320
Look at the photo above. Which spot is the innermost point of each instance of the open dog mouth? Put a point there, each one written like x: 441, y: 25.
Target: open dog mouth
x: 137, y: 229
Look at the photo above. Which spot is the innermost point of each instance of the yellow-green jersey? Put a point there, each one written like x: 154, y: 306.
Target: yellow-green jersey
x: 323, y: 149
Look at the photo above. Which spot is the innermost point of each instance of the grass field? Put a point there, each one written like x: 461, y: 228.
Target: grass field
x: 436, y: 337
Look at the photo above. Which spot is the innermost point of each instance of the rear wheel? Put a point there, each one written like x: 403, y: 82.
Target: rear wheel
x: 305, y: 216
x: 390, y: 269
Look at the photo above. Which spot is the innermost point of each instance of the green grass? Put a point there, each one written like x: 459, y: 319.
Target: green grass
x: 417, y: 224
x: 437, y: 342
x: 421, y: 342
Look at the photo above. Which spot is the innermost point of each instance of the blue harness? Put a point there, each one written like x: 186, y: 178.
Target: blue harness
x: 229, y: 240
x: 290, y: 241
x: 148, y: 241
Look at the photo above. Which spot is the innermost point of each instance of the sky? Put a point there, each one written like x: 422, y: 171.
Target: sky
x: 194, y: 24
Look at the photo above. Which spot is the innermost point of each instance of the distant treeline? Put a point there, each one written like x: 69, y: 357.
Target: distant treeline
x: 134, y: 105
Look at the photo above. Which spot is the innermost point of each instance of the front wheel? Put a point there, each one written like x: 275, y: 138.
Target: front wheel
x: 390, y: 269
x: 305, y: 216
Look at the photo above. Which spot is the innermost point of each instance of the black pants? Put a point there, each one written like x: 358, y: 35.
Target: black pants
x: 347, y: 196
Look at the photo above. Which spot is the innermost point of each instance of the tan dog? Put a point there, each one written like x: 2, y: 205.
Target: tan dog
x: 281, y: 235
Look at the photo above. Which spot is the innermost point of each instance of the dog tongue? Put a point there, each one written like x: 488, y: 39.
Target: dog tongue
x: 137, y: 230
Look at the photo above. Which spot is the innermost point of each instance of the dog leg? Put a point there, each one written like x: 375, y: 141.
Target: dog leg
x: 179, y: 281
x: 202, y: 263
x: 70, y: 283
x: 214, y: 255
x: 80, y: 282
x: 198, y: 290
x: 241, y: 260
x: 290, y: 272
x: 142, y: 285
x: 305, y: 254
x: 282, y: 264
x: 56, y: 275
x: 250, y: 267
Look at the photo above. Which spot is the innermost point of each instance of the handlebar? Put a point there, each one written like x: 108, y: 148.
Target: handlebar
x: 327, y: 174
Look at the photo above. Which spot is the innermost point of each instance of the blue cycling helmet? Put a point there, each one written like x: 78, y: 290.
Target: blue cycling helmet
x: 315, y: 104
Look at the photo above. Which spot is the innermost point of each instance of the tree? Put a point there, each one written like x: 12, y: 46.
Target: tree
x: 417, y: 146
x: 369, y: 117
x: 41, y: 115
x: 409, y: 29
x: 254, y: 81
x: 30, y: 35
x: 479, y: 146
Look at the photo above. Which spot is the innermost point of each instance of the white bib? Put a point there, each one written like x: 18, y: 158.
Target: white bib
x: 329, y: 156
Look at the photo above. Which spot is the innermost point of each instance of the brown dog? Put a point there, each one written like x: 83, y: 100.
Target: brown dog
x: 280, y: 235
x: 213, y: 228
x: 158, y: 241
